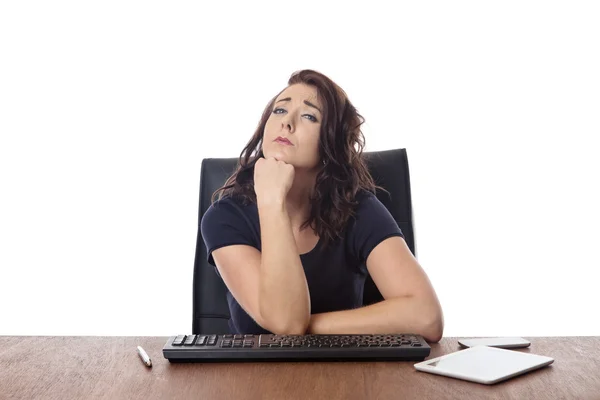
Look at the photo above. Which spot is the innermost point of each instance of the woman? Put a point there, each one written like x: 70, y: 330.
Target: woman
x: 295, y: 230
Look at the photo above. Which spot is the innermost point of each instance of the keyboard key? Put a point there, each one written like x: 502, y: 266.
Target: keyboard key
x: 189, y: 341
x: 178, y: 341
x: 201, y: 340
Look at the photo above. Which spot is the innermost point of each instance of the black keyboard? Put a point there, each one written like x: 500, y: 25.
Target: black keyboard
x: 269, y: 347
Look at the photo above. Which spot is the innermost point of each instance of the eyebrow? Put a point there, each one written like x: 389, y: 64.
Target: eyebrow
x: 308, y: 103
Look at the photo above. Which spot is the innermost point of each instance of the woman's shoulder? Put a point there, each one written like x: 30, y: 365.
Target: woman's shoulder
x: 231, y: 206
x: 229, y: 200
x: 363, y: 205
x: 229, y: 213
x: 227, y: 221
x: 366, y: 201
x: 369, y: 210
x: 371, y: 224
x: 364, y: 194
x: 232, y: 201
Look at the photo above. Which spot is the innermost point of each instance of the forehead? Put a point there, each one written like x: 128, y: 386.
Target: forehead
x: 300, y: 92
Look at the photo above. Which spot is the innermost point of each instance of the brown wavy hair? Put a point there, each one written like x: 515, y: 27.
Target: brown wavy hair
x: 344, y: 172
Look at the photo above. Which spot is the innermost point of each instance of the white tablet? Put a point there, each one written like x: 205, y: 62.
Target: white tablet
x: 484, y: 364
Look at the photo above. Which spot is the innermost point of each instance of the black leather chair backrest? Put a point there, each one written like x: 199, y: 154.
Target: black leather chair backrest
x: 210, y: 310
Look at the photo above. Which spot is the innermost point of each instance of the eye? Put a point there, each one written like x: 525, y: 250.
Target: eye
x: 314, y: 119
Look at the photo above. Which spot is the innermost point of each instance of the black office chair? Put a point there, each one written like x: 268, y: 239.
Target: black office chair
x: 210, y: 310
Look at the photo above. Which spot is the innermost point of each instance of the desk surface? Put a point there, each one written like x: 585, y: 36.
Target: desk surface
x: 109, y: 367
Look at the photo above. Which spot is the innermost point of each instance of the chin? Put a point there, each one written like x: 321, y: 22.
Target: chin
x: 280, y: 156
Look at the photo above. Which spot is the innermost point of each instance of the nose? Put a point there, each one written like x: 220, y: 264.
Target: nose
x: 287, y: 122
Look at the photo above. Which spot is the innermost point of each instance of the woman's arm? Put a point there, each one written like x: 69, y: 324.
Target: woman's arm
x: 397, y: 315
x: 284, y: 298
x: 410, y: 306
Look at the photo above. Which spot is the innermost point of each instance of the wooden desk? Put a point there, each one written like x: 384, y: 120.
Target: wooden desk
x: 109, y: 367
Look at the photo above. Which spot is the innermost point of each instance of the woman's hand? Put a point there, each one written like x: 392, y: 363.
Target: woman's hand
x: 272, y: 180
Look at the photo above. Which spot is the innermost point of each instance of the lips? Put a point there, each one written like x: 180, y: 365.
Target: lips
x: 283, y: 140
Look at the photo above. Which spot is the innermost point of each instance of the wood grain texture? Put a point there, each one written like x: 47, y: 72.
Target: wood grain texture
x: 82, y: 367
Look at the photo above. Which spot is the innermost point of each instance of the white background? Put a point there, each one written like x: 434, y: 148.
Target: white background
x: 107, y: 109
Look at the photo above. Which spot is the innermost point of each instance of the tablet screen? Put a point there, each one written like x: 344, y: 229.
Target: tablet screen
x: 485, y: 363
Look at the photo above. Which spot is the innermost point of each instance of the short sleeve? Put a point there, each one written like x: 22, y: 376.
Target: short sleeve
x: 224, y: 223
x: 373, y: 224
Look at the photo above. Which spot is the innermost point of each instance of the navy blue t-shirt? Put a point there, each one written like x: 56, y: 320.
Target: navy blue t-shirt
x: 335, y: 275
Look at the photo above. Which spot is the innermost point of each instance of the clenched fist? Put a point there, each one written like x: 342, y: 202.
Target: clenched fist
x: 272, y: 180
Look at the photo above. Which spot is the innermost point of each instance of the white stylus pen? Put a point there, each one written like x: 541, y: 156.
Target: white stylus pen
x: 144, y: 356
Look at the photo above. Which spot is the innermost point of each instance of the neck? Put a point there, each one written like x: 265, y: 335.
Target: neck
x: 298, y: 199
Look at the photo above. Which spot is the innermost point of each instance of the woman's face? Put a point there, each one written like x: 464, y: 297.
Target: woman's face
x: 296, y: 116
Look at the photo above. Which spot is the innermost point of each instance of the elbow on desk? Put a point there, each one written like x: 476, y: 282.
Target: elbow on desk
x: 289, y: 331
x: 296, y: 328
x: 433, y: 331
x: 287, y: 324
